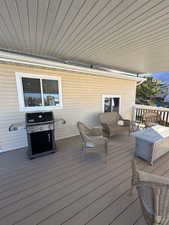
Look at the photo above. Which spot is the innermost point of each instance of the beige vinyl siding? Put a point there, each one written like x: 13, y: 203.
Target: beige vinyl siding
x: 82, y: 100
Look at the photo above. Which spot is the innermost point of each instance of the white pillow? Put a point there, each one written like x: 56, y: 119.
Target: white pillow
x: 120, y: 122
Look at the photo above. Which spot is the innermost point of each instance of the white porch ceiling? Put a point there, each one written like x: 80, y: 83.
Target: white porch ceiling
x: 131, y: 35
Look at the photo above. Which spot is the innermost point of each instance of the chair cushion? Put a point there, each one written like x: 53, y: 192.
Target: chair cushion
x: 120, y: 122
x: 89, y: 145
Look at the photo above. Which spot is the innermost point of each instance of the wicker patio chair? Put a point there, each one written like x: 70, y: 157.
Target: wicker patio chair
x: 110, y: 122
x: 151, y: 118
x: 92, y: 138
x: 153, y: 192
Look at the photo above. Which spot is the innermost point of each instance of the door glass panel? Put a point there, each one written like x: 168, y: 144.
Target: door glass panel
x: 32, y: 92
x: 50, y: 92
x: 111, y: 104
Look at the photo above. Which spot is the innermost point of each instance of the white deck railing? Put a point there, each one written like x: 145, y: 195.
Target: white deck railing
x: 139, y: 110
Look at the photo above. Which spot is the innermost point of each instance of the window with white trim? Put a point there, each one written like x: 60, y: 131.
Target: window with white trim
x: 38, y: 92
x: 111, y: 103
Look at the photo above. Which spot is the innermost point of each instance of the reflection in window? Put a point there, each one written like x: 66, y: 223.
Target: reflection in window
x: 32, y: 92
x: 111, y: 104
x: 50, y: 92
x: 38, y: 92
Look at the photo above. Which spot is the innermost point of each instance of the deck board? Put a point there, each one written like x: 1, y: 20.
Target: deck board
x: 71, y: 187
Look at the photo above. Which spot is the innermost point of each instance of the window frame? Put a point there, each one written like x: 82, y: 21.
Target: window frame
x: 111, y: 96
x: 19, y: 85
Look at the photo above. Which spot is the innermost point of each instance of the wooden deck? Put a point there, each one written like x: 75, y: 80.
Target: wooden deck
x: 71, y: 188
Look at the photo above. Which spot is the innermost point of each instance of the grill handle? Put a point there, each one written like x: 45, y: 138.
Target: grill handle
x: 49, y: 138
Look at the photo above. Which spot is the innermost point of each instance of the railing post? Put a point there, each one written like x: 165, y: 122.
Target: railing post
x: 134, y: 113
x: 166, y: 122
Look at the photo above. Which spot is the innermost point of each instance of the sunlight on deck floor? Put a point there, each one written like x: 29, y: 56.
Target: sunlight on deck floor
x: 72, y: 188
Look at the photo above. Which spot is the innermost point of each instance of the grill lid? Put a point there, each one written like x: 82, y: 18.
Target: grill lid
x: 39, y: 117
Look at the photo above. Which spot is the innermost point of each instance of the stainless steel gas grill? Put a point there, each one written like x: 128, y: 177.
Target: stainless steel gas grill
x: 40, y: 128
x: 40, y: 133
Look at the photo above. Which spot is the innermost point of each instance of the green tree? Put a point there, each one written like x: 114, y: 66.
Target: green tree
x: 147, y: 89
